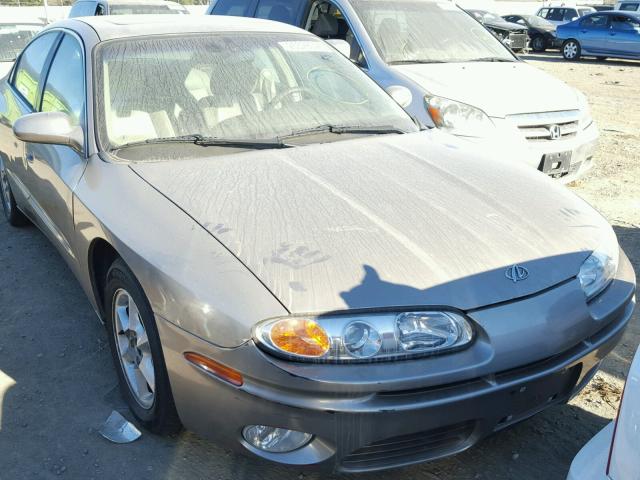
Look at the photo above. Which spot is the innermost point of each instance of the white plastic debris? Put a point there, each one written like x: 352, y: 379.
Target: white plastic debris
x: 118, y: 429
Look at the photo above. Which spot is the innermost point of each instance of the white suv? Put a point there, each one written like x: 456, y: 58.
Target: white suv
x: 562, y: 15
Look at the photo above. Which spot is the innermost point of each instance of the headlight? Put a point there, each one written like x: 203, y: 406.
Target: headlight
x: 585, y: 111
x: 349, y: 338
x: 459, y: 118
x: 600, y: 268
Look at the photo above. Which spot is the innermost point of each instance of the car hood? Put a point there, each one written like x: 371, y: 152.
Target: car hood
x: 396, y: 220
x: 509, y: 26
x: 503, y: 86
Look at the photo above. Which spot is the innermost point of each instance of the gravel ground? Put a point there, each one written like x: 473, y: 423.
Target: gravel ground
x: 57, y: 383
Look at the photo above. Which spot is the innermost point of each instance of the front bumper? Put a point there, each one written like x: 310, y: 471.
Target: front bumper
x: 384, y: 415
x: 580, y: 150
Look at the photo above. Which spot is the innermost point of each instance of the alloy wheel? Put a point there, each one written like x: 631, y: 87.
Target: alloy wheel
x: 570, y: 50
x: 134, y: 351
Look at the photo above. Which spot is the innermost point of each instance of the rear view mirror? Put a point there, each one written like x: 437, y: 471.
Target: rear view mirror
x: 55, y: 128
x: 341, y: 46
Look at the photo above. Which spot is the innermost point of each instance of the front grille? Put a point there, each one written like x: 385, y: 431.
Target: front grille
x: 537, y: 127
x: 409, y: 448
x: 518, y: 41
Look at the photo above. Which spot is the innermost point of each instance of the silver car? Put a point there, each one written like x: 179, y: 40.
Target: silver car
x: 283, y: 261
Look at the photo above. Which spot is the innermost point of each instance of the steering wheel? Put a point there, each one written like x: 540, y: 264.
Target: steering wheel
x: 286, y: 94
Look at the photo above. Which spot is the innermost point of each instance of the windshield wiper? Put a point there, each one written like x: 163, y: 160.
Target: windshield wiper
x: 490, y: 59
x: 204, y: 141
x: 409, y: 62
x: 340, y: 129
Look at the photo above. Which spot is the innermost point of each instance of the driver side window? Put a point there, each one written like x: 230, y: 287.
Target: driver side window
x: 327, y: 22
x: 64, y: 89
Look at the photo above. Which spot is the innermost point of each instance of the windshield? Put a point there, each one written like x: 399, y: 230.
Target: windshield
x: 249, y: 86
x: 143, y: 9
x: 426, y: 31
x: 14, y: 37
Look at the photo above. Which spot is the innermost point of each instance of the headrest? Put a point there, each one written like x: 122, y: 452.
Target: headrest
x: 325, y: 26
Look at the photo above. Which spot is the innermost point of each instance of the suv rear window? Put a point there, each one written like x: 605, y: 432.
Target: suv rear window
x: 236, y: 8
x: 629, y: 7
x: 278, y: 10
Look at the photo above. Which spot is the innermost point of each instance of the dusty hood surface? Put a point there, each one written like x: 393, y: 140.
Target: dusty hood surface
x: 399, y: 220
x: 507, y: 87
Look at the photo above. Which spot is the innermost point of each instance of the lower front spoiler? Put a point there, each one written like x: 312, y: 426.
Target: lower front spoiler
x: 377, y: 430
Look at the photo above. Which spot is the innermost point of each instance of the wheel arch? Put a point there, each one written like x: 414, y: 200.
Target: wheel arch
x: 101, y: 256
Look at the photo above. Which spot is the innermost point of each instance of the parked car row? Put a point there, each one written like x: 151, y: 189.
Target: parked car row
x: 513, y: 35
x: 317, y: 223
x: 14, y: 36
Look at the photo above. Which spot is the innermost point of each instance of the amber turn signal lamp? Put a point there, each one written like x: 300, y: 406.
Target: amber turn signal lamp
x: 214, y: 368
x: 300, y: 336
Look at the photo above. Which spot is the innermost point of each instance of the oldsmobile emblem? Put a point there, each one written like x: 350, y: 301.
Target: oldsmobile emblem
x: 554, y: 132
x: 516, y: 273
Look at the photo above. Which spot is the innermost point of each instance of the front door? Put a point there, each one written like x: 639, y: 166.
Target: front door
x: 54, y: 170
x: 593, y: 33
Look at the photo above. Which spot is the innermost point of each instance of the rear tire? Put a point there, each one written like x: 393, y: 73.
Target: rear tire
x: 137, y: 352
x: 14, y: 216
x: 571, y: 50
x: 538, y: 43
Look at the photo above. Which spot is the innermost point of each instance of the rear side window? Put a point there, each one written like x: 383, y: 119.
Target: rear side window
x: 236, y: 8
x: 623, y: 23
x: 570, y: 14
x: 629, y: 7
x: 64, y: 89
x: 278, y: 10
x: 28, y: 74
x: 82, y: 9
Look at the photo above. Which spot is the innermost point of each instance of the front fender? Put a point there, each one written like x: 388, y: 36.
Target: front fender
x: 189, y: 278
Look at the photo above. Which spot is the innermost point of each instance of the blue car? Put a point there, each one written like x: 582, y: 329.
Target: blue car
x: 601, y: 35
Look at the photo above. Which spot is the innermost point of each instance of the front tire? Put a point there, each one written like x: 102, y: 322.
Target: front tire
x: 137, y: 352
x: 571, y: 50
x: 538, y: 44
x: 14, y: 216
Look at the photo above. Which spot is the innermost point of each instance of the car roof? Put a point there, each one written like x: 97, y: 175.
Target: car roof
x: 140, y: 2
x: 110, y: 27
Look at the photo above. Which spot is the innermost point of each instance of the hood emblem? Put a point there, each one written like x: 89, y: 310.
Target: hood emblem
x: 554, y: 132
x: 516, y: 273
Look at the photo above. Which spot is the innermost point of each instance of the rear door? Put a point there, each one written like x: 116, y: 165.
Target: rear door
x: 593, y: 33
x: 624, y: 35
x: 54, y: 170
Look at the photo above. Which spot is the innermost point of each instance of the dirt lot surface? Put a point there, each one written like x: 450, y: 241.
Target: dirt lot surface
x: 57, y: 382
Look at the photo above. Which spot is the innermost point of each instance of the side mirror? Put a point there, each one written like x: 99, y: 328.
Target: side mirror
x: 402, y: 95
x: 341, y: 46
x: 54, y: 128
